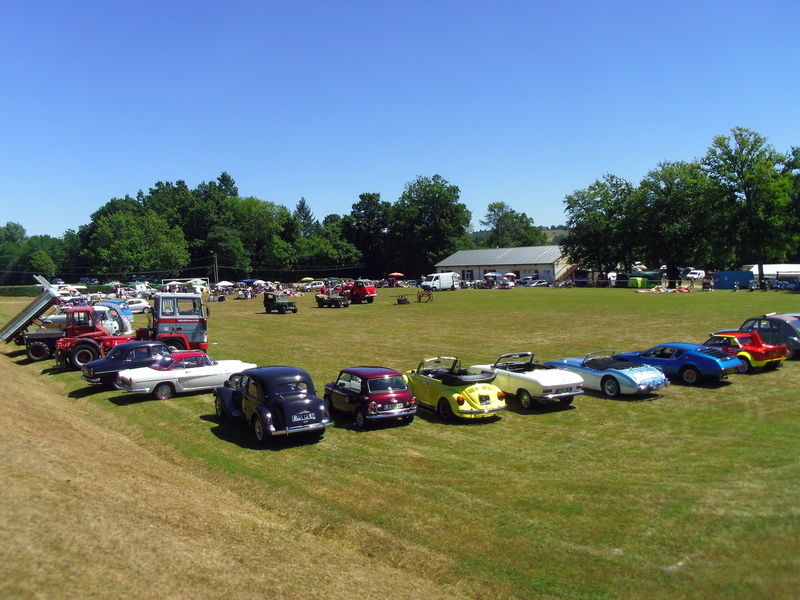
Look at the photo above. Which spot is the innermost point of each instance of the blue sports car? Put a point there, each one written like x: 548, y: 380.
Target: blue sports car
x: 604, y: 372
x: 689, y: 363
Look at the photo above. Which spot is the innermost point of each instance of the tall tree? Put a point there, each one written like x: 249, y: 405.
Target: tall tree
x: 308, y: 224
x: 756, y: 188
x: 510, y: 229
x: 603, y: 225
x: 678, y: 200
x: 366, y: 227
x: 428, y: 223
x: 126, y: 243
x: 41, y: 263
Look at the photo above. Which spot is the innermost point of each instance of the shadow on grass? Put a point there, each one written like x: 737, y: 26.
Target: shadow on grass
x: 543, y: 407
x: 131, y: 399
x: 88, y: 391
x: 432, y: 417
x: 237, y: 432
x: 346, y: 421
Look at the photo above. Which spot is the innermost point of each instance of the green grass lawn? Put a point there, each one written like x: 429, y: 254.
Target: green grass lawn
x: 690, y: 493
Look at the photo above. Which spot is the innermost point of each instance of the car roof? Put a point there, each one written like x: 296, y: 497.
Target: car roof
x: 271, y: 372
x: 681, y: 345
x: 140, y: 343
x: 371, y: 372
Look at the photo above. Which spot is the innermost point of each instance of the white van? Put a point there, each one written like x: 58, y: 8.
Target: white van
x: 442, y: 281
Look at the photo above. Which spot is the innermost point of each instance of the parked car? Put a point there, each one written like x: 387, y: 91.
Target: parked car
x: 139, y: 306
x: 130, y: 355
x: 313, y: 286
x: 536, y: 283
x: 442, y: 385
x: 602, y: 371
x: 371, y: 394
x: 687, y: 363
x: 776, y: 329
x: 178, y: 372
x: 273, y: 401
x: 120, y: 305
x: 750, y: 349
x: 277, y: 302
x: 518, y: 374
x: 695, y: 275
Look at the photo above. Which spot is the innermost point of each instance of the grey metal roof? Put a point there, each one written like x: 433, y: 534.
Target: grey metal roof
x: 497, y: 257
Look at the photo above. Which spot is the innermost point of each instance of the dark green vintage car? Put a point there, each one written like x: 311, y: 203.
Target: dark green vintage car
x: 282, y: 304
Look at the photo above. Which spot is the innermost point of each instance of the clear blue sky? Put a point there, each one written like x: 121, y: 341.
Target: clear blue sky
x: 521, y: 102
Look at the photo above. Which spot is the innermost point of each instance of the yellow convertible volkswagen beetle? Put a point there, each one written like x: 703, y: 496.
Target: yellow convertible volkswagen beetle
x: 442, y: 385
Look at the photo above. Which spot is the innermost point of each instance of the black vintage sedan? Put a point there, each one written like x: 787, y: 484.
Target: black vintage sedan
x: 129, y: 355
x: 273, y: 401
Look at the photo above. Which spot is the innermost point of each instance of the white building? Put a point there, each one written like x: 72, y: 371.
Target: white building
x: 539, y: 262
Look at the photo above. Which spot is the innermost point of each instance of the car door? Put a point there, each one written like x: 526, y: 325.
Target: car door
x: 344, y: 391
x: 194, y: 373
x: 662, y: 357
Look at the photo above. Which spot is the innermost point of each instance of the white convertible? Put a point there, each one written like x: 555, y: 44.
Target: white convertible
x: 189, y: 371
x: 517, y: 374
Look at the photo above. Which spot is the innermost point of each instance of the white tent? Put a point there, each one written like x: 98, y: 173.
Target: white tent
x: 224, y: 284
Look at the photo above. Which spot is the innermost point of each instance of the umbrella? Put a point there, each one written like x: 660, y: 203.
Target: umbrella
x: 492, y: 274
x: 259, y: 282
x: 510, y: 275
x: 396, y: 275
x: 307, y: 279
x: 224, y: 284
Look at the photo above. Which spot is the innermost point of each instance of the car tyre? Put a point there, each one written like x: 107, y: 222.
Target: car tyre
x: 690, y: 376
x: 525, y: 399
x: 746, y: 366
x: 610, y: 387
x: 444, y: 410
x: 176, y: 345
x: 772, y: 365
x: 38, y: 350
x: 259, y: 431
x: 146, y: 310
x: 219, y: 408
x: 567, y: 399
x: 361, y: 419
x: 163, y: 391
x: 281, y: 310
x: 409, y: 419
x: 82, y: 354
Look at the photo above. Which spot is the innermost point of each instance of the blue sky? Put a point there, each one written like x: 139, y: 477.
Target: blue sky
x: 520, y: 102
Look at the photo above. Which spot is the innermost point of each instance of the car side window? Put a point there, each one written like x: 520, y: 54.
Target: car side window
x: 251, y: 387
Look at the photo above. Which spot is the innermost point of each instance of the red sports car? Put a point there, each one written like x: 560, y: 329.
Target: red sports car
x: 750, y: 349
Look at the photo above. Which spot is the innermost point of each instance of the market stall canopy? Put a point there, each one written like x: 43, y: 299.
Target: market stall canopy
x: 510, y: 275
x: 307, y: 279
x: 396, y: 275
x: 492, y: 274
x: 224, y: 284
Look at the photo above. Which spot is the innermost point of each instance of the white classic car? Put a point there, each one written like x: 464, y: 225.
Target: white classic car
x: 189, y: 371
x: 517, y: 374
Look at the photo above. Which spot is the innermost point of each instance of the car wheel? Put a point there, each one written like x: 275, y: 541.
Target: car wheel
x: 361, y: 419
x: 408, y: 419
x: 219, y: 408
x: 370, y: 299
x: 281, y: 310
x: 82, y: 354
x: 525, y: 399
x: 793, y: 354
x: 690, y: 375
x: 567, y: 399
x: 146, y: 310
x: 38, y: 351
x: 176, y: 345
x: 746, y: 366
x: 444, y: 409
x: 772, y: 365
x: 320, y: 304
x: 610, y: 387
x: 258, y: 430
x: 163, y: 391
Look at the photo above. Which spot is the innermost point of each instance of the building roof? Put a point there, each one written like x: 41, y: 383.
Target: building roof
x: 498, y: 257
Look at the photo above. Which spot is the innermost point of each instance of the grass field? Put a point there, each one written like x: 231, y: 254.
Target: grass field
x: 691, y: 493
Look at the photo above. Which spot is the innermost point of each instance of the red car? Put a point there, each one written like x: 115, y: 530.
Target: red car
x: 750, y: 349
x: 371, y: 394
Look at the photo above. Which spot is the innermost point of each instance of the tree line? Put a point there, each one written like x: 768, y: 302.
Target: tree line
x: 174, y: 231
x: 739, y: 204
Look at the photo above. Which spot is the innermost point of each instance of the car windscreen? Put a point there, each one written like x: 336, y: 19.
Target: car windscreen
x: 386, y: 384
x: 163, y: 364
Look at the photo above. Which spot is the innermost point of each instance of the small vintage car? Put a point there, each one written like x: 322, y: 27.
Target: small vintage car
x: 371, y: 394
x: 750, y: 349
x: 442, y: 385
x: 333, y: 299
x: 187, y: 371
x: 776, y: 329
x: 273, y: 401
x: 518, y: 374
x: 603, y: 372
x: 139, y: 306
x: 278, y: 302
x: 688, y: 363
x: 130, y: 355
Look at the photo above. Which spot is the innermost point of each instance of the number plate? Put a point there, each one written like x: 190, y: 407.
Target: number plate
x: 392, y: 406
x: 484, y: 399
x: 563, y: 390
